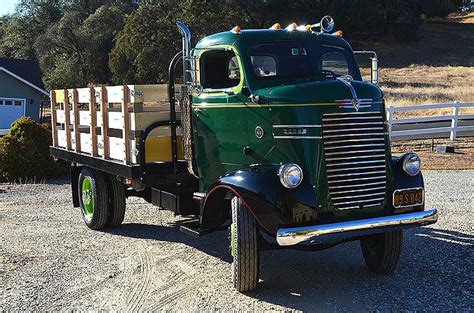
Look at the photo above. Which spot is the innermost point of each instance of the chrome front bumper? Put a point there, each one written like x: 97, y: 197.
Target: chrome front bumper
x: 333, y: 233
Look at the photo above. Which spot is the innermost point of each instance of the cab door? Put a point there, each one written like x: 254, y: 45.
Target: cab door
x: 219, y: 115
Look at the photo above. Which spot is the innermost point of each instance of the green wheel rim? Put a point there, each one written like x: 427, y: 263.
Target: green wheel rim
x: 87, y: 198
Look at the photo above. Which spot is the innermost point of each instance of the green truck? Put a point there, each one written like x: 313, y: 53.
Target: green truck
x: 274, y: 136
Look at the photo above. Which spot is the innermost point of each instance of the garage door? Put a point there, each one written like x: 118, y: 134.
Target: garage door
x: 10, y: 110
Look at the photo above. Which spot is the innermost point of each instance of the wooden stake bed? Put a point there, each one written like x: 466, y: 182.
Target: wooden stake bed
x: 107, y: 122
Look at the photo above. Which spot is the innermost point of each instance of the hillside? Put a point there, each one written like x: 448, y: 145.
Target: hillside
x: 437, y: 68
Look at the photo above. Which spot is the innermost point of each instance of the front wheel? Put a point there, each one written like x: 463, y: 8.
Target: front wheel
x: 244, y: 247
x: 382, y: 251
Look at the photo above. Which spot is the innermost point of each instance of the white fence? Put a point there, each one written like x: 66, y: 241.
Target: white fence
x: 454, y: 125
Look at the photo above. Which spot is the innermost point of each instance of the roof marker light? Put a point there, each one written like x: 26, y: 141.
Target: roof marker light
x: 236, y: 30
x: 276, y: 26
x: 292, y: 27
x: 301, y: 28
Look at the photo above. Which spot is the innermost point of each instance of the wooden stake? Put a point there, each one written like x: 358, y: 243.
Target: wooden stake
x: 105, y: 123
x: 67, y: 115
x: 77, y: 134
x: 126, y: 123
x: 93, y: 113
x: 54, y: 118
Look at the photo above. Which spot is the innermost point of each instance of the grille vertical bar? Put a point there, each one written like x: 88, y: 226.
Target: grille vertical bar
x: 355, y: 158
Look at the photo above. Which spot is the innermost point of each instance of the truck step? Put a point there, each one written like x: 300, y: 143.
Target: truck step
x: 192, y: 228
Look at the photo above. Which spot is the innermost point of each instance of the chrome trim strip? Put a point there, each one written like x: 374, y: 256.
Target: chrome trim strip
x: 352, y: 117
x: 363, y: 178
x: 358, y: 196
x: 347, y: 106
x: 354, y: 135
x: 352, y: 113
x: 358, y: 185
x: 362, y: 201
x: 357, y: 157
x: 297, y: 126
x: 354, y: 124
x: 297, y: 137
x: 351, y: 129
x: 336, y: 232
x: 355, y: 146
x: 356, y: 174
x: 354, y: 140
x: 356, y: 207
x: 362, y: 162
x: 358, y: 190
x: 354, y: 168
x: 353, y: 152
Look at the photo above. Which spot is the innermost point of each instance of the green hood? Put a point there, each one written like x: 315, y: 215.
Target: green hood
x: 318, y: 92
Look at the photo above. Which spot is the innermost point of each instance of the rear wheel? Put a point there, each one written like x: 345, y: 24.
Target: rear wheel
x: 244, y: 248
x: 93, y: 198
x: 117, y: 202
x: 382, y: 251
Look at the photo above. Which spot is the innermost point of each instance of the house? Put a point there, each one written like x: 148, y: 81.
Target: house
x: 21, y: 91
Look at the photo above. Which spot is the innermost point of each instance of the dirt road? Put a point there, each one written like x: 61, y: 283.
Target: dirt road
x: 49, y: 260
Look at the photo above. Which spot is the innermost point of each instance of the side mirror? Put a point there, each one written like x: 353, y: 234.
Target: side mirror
x: 374, y: 71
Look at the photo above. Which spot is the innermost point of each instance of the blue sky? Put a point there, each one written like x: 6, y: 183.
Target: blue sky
x: 7, y: 6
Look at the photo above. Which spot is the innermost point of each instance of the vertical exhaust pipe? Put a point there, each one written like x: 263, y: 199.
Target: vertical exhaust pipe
x: 186, y: 35
x: 188, y: 70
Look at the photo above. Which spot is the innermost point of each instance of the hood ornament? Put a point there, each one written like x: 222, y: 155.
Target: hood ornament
x: 347, y: 79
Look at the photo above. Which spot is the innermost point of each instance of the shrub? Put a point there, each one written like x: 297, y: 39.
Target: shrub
x: 24, y: 152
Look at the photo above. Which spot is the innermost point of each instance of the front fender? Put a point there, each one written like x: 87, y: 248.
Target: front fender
x: 401, y: 180
x: 263, y: 195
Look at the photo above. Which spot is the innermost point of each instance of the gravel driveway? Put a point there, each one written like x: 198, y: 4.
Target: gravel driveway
x: 49, y: 260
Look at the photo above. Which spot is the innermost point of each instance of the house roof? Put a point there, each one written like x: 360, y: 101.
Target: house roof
x: 26, y: 71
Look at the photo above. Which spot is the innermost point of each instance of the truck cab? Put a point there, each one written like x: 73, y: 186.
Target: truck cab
x: 283, y: 144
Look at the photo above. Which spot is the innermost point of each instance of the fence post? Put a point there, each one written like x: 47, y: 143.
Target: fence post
x: 454, y: 121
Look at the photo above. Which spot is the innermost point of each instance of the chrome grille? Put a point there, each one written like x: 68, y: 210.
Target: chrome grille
x: 354, y: 150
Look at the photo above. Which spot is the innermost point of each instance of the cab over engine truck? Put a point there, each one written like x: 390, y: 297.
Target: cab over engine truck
x: 275, y: 137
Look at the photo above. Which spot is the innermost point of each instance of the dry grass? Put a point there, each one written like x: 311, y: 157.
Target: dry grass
x: 437, y: 68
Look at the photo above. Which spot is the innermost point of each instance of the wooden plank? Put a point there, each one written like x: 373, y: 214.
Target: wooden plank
x: 93, y: 119
x: 59, y: 96
x: 126, y: 123
x: 67, y: 115
x: 105, y: 124
x: 77, y: 133
x: 54, y: 118
x: 114, y: 94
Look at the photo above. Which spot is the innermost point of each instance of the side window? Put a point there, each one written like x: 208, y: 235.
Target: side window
x: 335, y: 62
x: 219, y: 69
x: 264, y: 66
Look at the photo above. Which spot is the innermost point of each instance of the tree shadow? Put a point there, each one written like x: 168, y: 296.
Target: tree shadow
x: 434, y: 272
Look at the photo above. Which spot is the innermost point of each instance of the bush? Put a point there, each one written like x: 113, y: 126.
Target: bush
x: 24, y: 152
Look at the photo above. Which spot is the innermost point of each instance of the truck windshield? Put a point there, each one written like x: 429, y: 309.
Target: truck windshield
x: 298, y: 59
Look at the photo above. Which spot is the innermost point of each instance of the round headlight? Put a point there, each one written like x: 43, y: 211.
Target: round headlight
x: 411, y: 164
x: 291, y: 175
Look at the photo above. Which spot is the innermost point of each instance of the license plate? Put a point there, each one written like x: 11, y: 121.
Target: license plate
x: 407, y: 197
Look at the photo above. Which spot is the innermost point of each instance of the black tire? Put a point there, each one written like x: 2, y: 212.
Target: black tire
x: 117, y: 202
x: 98, y: 196
x: 245, y: 265
x: 381, y: 252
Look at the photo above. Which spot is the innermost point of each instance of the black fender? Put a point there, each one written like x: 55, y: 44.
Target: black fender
x: 263, y: 195
x: 401, y: 180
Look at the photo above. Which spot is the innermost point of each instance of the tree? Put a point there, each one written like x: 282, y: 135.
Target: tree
x: 150, y: 38
x: 74, y: 51
x: 32, y: 17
